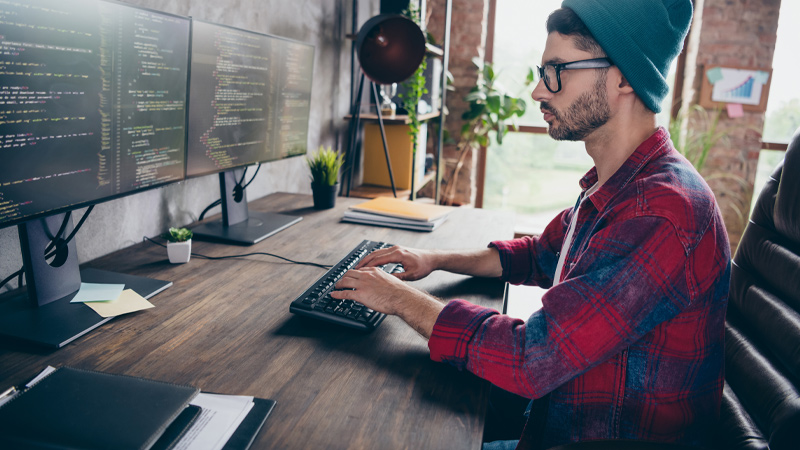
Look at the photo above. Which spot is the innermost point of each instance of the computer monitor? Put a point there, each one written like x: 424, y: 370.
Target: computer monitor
x: 249, y: 102
x: 92, y: 107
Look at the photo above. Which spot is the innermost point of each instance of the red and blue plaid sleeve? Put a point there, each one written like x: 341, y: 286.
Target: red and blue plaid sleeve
x: 633, y: 278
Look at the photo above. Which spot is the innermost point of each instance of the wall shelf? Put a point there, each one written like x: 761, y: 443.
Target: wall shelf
x: 397, y: 119
x: 442, y: 52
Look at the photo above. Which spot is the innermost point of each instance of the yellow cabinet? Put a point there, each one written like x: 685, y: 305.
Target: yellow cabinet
x: 400, y: 153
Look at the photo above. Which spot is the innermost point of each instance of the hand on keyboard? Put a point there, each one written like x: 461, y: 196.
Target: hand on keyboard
x: 319, y: 302
x: 416, y: 264
x: 359, y: 298
x: 373, y: 287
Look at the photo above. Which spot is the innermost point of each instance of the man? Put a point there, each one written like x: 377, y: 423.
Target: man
x: 629, y: 342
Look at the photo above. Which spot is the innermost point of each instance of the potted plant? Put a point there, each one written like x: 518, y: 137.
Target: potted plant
x: 179, y: 245
x: 325, y: 166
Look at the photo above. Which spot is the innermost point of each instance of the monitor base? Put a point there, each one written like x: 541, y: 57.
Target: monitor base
x: 256, y: 228
x: 60, y: 322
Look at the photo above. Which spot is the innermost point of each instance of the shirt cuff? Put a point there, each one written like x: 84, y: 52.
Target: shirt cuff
x: 515, y: 259
x: 454, y: 329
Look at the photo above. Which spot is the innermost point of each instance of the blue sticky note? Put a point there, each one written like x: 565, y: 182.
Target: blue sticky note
x: 95, y: 292
x: 714, y: 75
x: 761, y: 77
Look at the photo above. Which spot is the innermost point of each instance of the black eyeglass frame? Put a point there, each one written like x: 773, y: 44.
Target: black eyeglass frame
x: 594, y: 63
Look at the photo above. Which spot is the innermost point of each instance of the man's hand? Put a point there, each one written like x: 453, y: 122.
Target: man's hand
x: 417, y: 264
x: 420, y: 263
x: 378, y: 290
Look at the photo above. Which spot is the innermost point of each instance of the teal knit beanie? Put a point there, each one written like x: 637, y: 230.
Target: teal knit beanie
x: 641, y: 37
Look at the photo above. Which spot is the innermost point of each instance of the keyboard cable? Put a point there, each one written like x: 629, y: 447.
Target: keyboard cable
x: 198, y: 255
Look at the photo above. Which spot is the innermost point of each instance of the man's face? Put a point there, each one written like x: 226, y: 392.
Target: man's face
x: 581, y: 106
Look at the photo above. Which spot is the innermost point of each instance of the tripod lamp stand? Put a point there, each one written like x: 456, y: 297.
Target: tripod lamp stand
x: 390, y: 48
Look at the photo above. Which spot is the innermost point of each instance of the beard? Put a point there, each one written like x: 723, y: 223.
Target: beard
x: 589, y: 112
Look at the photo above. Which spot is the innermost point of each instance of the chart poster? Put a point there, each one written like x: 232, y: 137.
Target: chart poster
x: 748, y: 87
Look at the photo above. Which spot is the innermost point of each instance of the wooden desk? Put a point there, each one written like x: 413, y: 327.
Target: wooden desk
x: 225, y: 327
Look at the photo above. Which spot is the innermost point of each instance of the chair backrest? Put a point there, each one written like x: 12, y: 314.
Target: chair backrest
x: 761, y: 401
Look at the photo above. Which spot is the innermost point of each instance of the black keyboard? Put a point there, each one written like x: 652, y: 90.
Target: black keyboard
x: 316, y: 301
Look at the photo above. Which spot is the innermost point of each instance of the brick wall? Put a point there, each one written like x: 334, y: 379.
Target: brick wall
x: 467, y: 40
x: 737, y: 33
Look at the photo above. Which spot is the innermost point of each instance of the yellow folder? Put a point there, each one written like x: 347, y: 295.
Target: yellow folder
x: 406, y: 209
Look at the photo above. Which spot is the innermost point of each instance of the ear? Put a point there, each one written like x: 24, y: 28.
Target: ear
x: 622, y: 83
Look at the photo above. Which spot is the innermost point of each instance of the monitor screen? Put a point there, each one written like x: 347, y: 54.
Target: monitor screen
x: 249, y: 98
x: 92, y: 103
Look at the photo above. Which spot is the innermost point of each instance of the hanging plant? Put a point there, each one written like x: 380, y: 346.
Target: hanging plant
x: 414, y: 86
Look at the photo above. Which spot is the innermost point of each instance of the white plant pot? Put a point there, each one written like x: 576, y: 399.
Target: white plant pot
x: 179, y: 252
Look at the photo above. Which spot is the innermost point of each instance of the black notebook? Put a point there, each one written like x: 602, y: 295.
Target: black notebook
x: 73, y: 408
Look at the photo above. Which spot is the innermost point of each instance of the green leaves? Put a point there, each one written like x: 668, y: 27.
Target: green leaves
x: 325, y: 166
x: 699, y: 137
x: 491, y: 108
x: 531, y: 76
x: 178, y: 234
x: 414, y: 86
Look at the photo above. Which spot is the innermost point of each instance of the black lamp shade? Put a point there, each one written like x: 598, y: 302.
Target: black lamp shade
x: 390, y: 48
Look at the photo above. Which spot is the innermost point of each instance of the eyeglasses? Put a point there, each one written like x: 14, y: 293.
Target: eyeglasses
x: 551, y: 72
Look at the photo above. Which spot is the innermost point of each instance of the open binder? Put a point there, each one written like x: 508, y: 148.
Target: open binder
x: 74, y: 408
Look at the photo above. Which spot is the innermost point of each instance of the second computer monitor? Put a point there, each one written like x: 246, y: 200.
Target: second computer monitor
x: 249, y: 99
x: 249, y: 102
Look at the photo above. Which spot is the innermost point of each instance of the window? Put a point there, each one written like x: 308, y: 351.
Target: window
x: 767, y: 161
x: 783, y: 106
x: 782, y: 118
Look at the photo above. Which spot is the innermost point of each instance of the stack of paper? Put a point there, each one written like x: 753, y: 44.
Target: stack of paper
x: 398, y: 213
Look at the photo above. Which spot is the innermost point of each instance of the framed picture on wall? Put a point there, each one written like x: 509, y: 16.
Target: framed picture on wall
x: 748, y: 86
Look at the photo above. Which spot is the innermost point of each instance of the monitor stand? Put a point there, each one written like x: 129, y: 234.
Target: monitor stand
x: 238, y: 224
x: 42, y: 313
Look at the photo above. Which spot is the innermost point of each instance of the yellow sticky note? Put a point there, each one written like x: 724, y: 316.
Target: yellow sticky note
x: 129, y: 301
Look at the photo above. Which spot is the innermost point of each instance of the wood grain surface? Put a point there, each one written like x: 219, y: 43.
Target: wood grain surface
x: 225, y: 327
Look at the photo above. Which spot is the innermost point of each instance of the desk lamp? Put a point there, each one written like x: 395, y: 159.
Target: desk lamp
x: 390, y: 48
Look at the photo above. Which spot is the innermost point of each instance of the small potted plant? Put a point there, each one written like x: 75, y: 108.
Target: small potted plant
x: 179, y: 245
x: 325, y: 166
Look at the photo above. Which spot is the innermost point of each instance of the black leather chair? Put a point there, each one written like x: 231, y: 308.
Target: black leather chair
x: 761, y: 399
x: 761, y: 402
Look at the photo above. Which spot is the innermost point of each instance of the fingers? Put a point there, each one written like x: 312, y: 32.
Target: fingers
x: 346, y: 283
x: 377, y: 261
x: 354, y: 277
x: 343, y: 295
x: 362, y: 286
x: 404, y: 276
x: 379, y: 258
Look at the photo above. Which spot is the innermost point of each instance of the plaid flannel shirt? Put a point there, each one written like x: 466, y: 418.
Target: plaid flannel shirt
x: 630, y: 344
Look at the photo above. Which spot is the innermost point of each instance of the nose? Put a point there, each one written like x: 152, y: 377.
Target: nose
x: 540, y: 92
